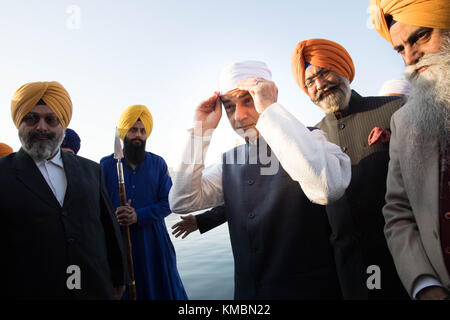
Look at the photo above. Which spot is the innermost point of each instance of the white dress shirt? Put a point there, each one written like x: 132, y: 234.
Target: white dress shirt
x: 53, y: 172
x: 320, y: 167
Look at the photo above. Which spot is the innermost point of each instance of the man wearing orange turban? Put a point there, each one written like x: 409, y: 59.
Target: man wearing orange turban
x: 433, y: 14
x: 147, y: 184
x: 418, y: 198
x: 55, y: 206
x: 360, y: 126
x: 5, y: 149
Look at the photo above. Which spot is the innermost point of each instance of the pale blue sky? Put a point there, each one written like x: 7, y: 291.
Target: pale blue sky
x: 168, y: 55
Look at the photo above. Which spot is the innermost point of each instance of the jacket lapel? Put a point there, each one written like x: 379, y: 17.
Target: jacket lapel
x: 73, y: 176
x: 28, y: 173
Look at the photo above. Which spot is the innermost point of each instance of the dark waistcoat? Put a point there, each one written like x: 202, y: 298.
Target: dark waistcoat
x: 280, y: 239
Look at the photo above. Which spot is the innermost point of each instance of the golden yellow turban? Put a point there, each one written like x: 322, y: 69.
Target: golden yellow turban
x: 5, y: 149
x: 52, y: 93
x: 424, y: 13
x: 131, y: 115
x: 322, y: 53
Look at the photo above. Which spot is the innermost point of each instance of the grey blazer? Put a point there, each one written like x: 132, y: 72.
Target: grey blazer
x: 412, y: 208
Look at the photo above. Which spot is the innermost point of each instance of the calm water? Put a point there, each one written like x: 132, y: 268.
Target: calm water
x: 205, y: 262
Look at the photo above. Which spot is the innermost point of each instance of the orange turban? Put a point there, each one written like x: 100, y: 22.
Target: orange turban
x: 131, y: 115
x: 5, y: 149
x: 424, y: 13
x: 322, y: 53
x: 52, y: 93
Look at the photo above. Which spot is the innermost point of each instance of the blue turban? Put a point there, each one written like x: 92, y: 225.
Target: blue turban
x: 71, y: 141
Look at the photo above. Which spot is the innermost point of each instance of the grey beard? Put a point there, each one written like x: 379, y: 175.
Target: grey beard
x: 336, y: 101
x: 428, y: 106
x: 40, y: 150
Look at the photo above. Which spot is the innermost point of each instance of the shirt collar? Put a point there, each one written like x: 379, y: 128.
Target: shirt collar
x: 56, y: 160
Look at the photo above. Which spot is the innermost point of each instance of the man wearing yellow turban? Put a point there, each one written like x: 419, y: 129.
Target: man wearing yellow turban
x: 55, y: 208
x: 324, y: 69
x: 133, y: 114
x: 418, y: 199
x: 147, y: 185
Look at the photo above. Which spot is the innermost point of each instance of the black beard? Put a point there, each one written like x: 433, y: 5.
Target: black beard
x: 134, y: 154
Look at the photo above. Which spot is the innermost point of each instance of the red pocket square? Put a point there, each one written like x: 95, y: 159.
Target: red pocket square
x: 379, y: 135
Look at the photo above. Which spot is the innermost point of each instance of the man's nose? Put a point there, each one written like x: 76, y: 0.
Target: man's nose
x: 42, y: 124
x: 320, y: 83
x: 240, y: 112
x: 140, y: 134
x: 412, y: 56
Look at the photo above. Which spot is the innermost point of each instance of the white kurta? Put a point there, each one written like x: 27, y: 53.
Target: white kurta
x: 320, y: 167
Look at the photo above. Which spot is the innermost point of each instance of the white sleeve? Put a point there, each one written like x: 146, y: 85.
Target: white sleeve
x: 194, y: 186
x: 422, y: 282
x: 320, y: 167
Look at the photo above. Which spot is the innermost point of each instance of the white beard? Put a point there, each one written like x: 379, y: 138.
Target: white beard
x: 428, y: 106
x: 335, y: 101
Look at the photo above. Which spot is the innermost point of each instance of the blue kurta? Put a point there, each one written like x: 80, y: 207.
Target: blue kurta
x: 154, y: 259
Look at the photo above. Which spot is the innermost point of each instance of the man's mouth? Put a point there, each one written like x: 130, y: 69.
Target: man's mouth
x: 246, y: 127
x: 422, y: 69
x: 327, y: 93
x: 41, y: 136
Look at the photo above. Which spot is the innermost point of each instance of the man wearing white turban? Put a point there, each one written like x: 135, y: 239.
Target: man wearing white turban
x: 395, y: 87
x: 278, y: 229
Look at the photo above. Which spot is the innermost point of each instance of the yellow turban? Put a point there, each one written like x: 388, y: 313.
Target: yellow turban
x: 5, y: 149
x: 52, y: 93
x: 131, y: 115
x: 322, y: 53
x: 423, y: 13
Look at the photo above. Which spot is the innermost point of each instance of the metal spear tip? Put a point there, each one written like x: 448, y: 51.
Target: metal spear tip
x: 118, y: 153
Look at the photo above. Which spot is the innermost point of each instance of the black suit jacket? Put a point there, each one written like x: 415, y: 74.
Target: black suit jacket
x: 40, y: 239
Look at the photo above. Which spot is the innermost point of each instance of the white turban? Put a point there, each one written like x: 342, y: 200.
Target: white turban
x: 395, y: 86
x: 237, y: 71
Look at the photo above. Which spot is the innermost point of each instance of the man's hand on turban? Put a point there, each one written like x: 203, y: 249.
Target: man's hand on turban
x: 208, y: 114
x: 263, y: 92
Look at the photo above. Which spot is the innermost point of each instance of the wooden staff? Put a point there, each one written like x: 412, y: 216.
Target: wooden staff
x: 126, y: 230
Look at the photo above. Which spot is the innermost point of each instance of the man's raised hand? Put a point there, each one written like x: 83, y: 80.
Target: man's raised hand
x: 208, y: 114
x: 263, y: 92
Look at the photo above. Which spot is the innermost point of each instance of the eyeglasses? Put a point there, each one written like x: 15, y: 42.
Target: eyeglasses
x: 32, y: 119
x: 322, y: 74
